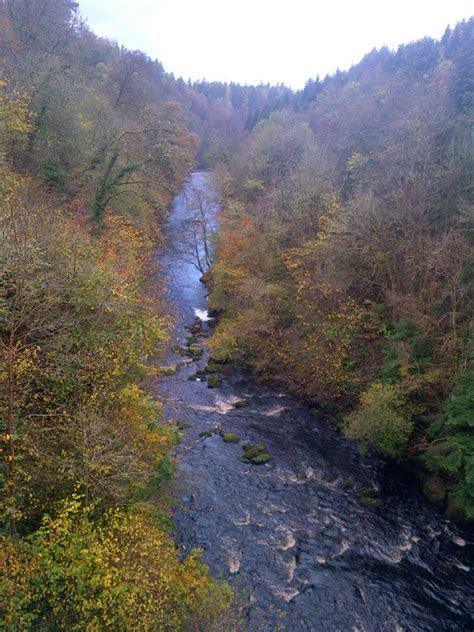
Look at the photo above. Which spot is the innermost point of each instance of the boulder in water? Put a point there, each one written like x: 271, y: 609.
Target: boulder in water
x: 195, y: 352
x: 255, y: 454
x: 369, y: 496
x: 241, y: 403
x: 230, y: 437
x: 214, y: 381
x: 196, y: 327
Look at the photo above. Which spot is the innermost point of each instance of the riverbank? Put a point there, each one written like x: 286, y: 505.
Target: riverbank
x: 318, y: 538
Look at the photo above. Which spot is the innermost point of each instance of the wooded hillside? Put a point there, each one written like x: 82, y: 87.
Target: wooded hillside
x: 93, y: 145
x: 345, y: 256
x: 343, y: 270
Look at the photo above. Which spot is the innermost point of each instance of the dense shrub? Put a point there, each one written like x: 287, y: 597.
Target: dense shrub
x: 452, y: 450
x: 118, y: 571
x: 380, y: 422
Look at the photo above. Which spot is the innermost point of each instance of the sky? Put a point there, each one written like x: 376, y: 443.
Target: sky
x: 269, y: 41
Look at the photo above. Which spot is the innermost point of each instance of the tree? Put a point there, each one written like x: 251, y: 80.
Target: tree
x: 74, y: 334
x: 80, y: 571
x: 43, y: 26
x: 380, y: 423
x: 14, y: 122
x: 451, y: 452
x: 142, y: 162
x: 198, y: 227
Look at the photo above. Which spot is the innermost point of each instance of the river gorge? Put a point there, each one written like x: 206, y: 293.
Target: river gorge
x: 319, y: 537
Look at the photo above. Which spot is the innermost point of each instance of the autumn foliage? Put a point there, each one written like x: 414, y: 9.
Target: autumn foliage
x: 88, y: 167
x: 344, y: 259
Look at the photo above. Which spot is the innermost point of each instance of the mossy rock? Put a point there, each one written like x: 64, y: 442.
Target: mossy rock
x: 230, y: 437
x: 255, y: 454
x: 251, y: 451
x: 214, y: 381
x: 369, y: 496
x: 166, y: 370
x: 261, y: 458
x: 241, y: 403
x: 212, y: 367
x: 195, y: 352
x: 199, y: 375
x: 191, y: 340
x: 435, y: 490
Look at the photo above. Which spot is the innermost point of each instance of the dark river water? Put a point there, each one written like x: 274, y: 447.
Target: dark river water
x: 293, y: 536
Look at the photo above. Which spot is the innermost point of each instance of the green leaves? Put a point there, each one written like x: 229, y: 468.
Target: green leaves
x: 381, y: 422
x: 119, y: 570
x: 452, y: 451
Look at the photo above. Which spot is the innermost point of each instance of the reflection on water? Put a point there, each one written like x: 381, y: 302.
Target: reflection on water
x: 295, y: 533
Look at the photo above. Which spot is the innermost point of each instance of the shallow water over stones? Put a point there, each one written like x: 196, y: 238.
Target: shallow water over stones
x: 298, y: 536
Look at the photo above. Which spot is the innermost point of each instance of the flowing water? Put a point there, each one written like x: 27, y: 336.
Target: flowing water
x: 294, y: 536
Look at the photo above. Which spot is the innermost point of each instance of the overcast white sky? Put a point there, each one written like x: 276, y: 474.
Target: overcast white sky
x: 276, y: 41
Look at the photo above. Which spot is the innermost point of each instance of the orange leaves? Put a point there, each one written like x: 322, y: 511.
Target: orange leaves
x: 122, y: 233
x: 234, y: 238
x: 124, y: 252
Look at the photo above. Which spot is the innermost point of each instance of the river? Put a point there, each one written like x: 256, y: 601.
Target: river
x: 294, y: 536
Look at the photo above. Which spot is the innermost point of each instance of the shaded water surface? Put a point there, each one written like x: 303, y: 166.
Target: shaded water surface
x: 294, y: 534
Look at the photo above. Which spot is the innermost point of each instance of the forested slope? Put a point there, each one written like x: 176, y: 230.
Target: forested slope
x: 344, y: 270
x: 93, y: 144
x: 345, y: 256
